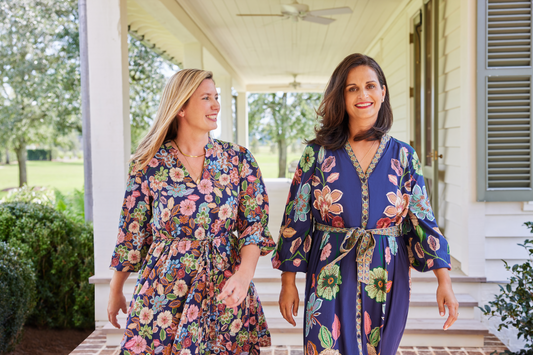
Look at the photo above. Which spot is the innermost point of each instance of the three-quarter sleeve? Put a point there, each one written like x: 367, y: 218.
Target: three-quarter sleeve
x: 252, y: 221
x: 294, y: 243
x: 135, y: 233
x: 426, y: 246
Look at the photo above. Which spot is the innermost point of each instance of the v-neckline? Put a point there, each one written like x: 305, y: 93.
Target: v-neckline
x: 182, y: 164
x: 364, y: 175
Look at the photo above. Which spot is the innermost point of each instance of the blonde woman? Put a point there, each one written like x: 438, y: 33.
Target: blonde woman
x: 186, y: 195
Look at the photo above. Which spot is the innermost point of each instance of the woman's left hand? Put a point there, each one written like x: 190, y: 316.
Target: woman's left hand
x: 446, y: 297
x: 235, y: 290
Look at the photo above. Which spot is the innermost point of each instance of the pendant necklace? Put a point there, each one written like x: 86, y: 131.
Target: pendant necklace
x: 197, y: 180
x: 368, y: 151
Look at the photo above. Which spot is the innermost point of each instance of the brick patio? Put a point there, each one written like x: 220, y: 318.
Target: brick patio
x: 95, y: 345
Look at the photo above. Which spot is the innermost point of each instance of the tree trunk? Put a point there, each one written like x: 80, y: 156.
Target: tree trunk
x: 282, y: 157
x: 21, y: 157
x: 7, y: 156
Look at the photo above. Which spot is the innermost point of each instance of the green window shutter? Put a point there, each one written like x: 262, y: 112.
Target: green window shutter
x: 504, y: 139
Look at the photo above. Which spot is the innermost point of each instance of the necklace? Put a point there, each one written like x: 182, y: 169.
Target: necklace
x: 187, y: 155
x: 368, y: 151
x: 197, y: 180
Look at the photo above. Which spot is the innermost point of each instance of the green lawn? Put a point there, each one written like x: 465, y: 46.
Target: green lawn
x: 268, y: 162
x: 69, y: 176
x: 63, y: 176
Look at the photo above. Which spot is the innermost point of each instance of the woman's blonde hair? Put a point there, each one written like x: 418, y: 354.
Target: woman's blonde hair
x: 176, y: 94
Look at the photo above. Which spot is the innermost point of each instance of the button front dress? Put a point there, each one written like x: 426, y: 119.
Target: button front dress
x: 356, y: 234
x: 180, y: 237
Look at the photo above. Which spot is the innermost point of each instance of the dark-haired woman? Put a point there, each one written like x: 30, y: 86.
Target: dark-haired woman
x: 357, y: 218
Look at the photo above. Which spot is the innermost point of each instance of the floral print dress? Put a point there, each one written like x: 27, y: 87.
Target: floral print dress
x: 356, y: 234
x: 179, y: 236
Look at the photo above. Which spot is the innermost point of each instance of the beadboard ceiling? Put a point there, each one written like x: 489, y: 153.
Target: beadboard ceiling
x: 268, y: 51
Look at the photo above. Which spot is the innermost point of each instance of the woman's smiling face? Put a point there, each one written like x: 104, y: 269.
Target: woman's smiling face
x: 201, y: 111
x: 363, y: 95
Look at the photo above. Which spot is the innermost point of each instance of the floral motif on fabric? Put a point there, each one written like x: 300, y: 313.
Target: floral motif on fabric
x: 179, y: 236
x: 388, y: 206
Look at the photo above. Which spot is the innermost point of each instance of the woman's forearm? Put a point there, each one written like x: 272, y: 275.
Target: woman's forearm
x: 288, y: 278
x: 443, y: 276
x: 249, y: 256
x: 118, y: 280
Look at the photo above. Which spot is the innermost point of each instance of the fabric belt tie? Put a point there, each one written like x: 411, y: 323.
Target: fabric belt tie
x: 365, y: 242
x: 210, y: 257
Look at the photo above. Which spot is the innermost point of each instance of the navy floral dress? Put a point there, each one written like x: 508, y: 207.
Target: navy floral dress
x: 356, y: 235
x: 180, y: 237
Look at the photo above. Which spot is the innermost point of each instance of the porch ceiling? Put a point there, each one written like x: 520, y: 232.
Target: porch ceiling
x: 265, y: 52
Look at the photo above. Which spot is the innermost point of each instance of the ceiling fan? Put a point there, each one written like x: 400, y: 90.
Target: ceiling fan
x: 295, y: 85
x: 297, y: 11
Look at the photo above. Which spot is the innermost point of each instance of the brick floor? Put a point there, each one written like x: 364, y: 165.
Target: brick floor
x: 95, y: 345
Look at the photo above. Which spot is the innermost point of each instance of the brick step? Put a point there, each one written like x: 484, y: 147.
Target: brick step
x: 418, y: 332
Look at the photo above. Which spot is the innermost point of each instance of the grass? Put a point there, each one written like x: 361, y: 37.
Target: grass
x: 65, y: 176
x: 268, y: 161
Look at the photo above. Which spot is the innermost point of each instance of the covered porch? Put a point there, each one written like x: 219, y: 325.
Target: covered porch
x: 265, y: 54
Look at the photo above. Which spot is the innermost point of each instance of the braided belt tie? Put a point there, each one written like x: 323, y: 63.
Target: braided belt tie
x: 366, y: 242
x: 210, y: 258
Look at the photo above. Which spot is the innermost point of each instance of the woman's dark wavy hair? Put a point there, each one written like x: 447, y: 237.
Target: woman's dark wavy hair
x: 334, y: 131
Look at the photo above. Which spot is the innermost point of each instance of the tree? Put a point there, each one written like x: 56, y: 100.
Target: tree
x: 40, y: 98
x: 39, y: 71
x: 283, y: 118
x: 148, y: 75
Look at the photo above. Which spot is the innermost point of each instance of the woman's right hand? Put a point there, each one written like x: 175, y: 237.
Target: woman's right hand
x: 117, y: 301
x: 289, y: 298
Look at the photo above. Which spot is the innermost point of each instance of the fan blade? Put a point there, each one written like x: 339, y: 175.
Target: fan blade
x: 312, y: 86
x: 261, y: 15
x: 333, y: 11
x: 316, y: 19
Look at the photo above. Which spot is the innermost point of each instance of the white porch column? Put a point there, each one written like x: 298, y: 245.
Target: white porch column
x: 242, y: 119
x: 226, y: 110
x: 193, y: 57
x: 107, y: 35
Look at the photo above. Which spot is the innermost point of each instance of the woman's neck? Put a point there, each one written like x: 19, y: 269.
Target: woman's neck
x: 358, y: 126
x: 191, y: 143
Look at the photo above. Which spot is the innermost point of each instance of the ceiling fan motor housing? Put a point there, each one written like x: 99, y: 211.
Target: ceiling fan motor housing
x: 295, y: 9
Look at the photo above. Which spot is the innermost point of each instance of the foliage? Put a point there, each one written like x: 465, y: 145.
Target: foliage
x: 148, y: 75
x: 283, y: 118
x: 61, y: 251
x: 17, y: 292
x: 31, y: 194
x: 39, y: 71
x: 514, y: 304
x: 71, y: 204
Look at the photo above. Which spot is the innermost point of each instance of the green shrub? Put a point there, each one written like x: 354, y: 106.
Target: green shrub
x: 72, y: 204
x: 61, y: 250
x: 17, y: 292
x: 514, y: 303
x: 33, y: 194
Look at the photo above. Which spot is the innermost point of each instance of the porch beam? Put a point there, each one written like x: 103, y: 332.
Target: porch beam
x: 193, y: 57
x: 186, y: 30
